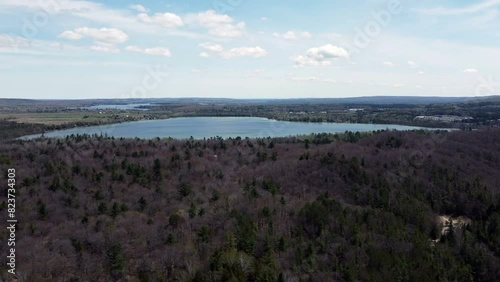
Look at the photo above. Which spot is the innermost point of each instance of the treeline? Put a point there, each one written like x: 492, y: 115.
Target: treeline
x: 483, y: 113
x: 345, y: 207
x: 10, y: 129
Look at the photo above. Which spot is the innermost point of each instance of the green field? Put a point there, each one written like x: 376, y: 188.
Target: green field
x: 61, y: 118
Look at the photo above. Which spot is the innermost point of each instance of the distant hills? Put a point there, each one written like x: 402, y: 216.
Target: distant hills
x: 355, y: 100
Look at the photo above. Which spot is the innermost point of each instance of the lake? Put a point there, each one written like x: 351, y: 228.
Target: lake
x: 120, y: 107
x: 206, y: 127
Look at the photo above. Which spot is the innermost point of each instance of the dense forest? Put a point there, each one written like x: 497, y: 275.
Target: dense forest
x: 343, y: 207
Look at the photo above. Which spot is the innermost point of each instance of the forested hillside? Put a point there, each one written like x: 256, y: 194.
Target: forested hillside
x: 344, y: 207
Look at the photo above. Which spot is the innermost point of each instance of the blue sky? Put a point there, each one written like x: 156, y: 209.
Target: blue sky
x: 248, y: 48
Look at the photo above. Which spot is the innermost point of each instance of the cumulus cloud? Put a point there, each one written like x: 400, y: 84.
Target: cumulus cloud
x: 105, y: 39
x: 389, y: 64
x: 412, y: 64
x: 139, y: 8
x: 156, y: 51
x: 104, y: 35
x: 217, y: 24
x: 292, y: 35
x: 212, y: 47
x: 470, y: 70
x: 321, y: 56
x: 71, y: 35
x: 166, y: 20
x: 255, y: 52
x: 307, y: 61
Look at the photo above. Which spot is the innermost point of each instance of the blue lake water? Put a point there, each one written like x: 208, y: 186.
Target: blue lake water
x: 120, y: 107
x: 206, y: 127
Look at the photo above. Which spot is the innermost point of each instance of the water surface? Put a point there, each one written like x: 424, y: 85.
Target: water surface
x: 120, y: 107
x: 206, y: 127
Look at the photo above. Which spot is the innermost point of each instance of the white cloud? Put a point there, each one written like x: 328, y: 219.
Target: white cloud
x: 86, y: 10
x: 420, y: 72
x: 307, y: 61
x: 461, y: 11
x: 105, y: 39
x: 254, y: 52
x: 412, y: 64
x: 321, y: 56
x: 217, y: 24
x: 227, y: 30
x: 212, y: 47
x: 470, y: 70
x: 139, y: 8
x: 156, y: 51
x: 292, y: 35
x: 167, y: 20
x: 13, y: 41
x: 389, y: 64
x: 105, y: 35
x: 211, y: 18
x: 99, y: 13
x: 71, y: 35
x: 327, y: 52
